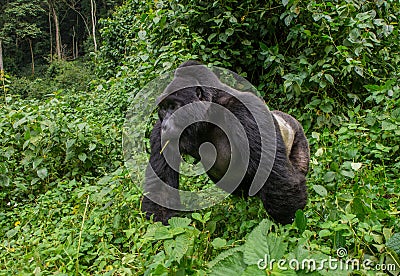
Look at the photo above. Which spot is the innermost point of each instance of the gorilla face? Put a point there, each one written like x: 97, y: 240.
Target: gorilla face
x: 167, y: 107
x: 170, y: 124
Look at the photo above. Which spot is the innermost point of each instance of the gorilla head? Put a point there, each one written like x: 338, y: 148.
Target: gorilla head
x: 196, y: 94
x: 169, y: 124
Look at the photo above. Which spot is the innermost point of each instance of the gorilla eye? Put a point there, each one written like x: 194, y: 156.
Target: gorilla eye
x: 172, y: 106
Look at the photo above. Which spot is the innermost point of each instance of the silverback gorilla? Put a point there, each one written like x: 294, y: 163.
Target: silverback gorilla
x: 282, y: 192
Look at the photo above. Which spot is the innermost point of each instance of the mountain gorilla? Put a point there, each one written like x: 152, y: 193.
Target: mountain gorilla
x: 282, y: 192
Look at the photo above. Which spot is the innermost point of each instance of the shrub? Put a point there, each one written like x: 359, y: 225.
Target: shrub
x: 59, y: 76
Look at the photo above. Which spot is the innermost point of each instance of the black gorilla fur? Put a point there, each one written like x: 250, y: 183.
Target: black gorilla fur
x: 283, y: 193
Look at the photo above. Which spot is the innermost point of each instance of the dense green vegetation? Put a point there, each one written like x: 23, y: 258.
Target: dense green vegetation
x: 68, y: 204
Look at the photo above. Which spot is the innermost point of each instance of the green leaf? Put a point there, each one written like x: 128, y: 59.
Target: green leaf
x: 387, y: 233
x: 177, y: 248
x: 339, y: 239
x: 92, y: 146
x: 37, y: 162
x: 156, y: 20
x: 81, y: 126
x: 319, y: 152
x: 223, y: 37
x: 357, y: 207
x: 26, y: 143
x: 179, y: 222
x: 142, y: 34
x: 211, y: 226
x: 315, y: 135
x: 144, y: 57
x: 20, y: 122
x: 282, y: 271
x: 197, y: 216
x: 395, y: 114
x: 206, y: 217
x: 316, y: 16
x: 329, y: 177
x: 261, y: 243
x: 356, y: 166
x: 366, y: 15
x: 163, y: 21
x: 211, y: 36
x: 130, y: 232
x: 370, y: 120
x: 388, y: 126
x: 324, y: 233
x: 70, y: 143
x: 232, y: 19
x: 394, y: 243
x: 359, y: 70
x: 229, y: 31
x: 329, y: 78
x: 225, y: 254
x: 320, y: 190
x: 301, y: 220
x: 12, y: 232
x: 162, y: 233
x: 160, y: 270
x: 231, y: 265
x: 176, y: 231
x: 253, y: 270
x: 82, y: 156
x: 218, y: 243
x: 326, y: 107
x: 42, y: 173
x: 4, y: 180
x: 349, y: 174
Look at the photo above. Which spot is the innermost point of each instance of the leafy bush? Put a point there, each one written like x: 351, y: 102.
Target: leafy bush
x: 43, y: 142
x: 59, y: 76
x: 295, y: 54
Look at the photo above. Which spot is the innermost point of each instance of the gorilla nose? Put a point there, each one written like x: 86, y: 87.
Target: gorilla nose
x: 168, y: 131
x: 164, y: 126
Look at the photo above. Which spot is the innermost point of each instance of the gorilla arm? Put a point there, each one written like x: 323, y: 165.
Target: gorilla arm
x: 160, y: 176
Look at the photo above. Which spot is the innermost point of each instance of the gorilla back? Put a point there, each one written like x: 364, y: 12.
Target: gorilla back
x: 283, y: 192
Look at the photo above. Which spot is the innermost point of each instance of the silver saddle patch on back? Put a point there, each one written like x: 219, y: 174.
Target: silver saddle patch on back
x: 287, y: 133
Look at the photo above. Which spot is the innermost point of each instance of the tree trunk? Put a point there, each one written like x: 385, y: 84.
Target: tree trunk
x: 80, y: 14
x: 51, y: 38
x: 2, y: 77
x: 93, y: 12
x: 32, y: 57
x: 57, y: 26
x: 73, y: 43
x: 76, y: 48
x: 1, y: 59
